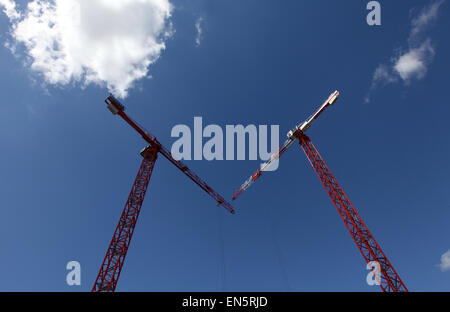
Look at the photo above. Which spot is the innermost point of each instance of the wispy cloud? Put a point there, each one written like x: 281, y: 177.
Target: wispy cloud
x: 425, y: 18
x: 411, y: 63
x: 198, y: 27
x: 445, y: 261
x: 104, y: 42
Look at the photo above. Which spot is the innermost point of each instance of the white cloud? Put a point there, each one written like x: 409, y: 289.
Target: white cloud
x: 105, y: 42
x: 9, y: 8
x: 411, y: 63
x: 198, y: 27
x: 383, y: 73
x: 445, y: 261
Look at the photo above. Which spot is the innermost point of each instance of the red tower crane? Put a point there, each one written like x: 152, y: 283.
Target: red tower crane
x: 115, y: 256
x: 388, y: 278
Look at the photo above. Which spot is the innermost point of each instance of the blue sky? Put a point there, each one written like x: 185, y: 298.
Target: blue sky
x: 67, y: 164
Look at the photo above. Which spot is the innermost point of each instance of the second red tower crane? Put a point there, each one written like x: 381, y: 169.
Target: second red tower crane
x: 387, y: 277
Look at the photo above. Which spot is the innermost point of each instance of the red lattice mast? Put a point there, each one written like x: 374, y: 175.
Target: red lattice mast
x: 115, y: 256
x: 371, y: 251
x: 388, y: 279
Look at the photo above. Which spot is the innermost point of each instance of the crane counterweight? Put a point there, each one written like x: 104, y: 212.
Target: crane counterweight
x: 114, y: 105
x: 330, y: 101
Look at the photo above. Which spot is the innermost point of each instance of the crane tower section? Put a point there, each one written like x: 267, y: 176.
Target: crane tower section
x: 388, y: 280
x: 109, y: 273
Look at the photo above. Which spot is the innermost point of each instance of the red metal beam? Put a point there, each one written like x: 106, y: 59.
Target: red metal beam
x: 108, y: 276
x: 369, y: 248
x: 117, y: 108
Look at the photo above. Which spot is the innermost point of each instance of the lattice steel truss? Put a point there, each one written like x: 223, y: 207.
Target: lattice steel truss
x: 388, y: 279
x: 115, y: 256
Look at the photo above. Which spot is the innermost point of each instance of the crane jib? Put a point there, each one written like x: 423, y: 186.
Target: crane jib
x: 292, y: 136
x: 118, y: 109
